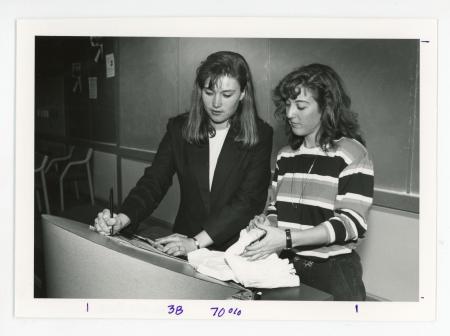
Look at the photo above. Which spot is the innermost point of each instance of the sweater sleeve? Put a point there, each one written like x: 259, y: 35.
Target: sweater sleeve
x: 353, y: 201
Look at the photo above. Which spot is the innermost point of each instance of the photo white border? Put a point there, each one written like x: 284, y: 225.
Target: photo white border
x: 250, y: 27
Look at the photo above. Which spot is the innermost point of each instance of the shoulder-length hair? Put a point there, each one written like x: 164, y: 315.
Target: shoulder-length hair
x: 197, y: 128
x: 337, y: 119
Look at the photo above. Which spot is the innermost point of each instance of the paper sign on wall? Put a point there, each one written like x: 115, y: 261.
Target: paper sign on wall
x: 92, y: 87
x: 110, y: 66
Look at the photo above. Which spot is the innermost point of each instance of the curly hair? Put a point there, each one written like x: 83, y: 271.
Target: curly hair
x: 337, y: 119
x: 223, y: 63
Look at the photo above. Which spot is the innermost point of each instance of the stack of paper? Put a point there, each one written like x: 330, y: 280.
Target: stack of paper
x: 271, y: 272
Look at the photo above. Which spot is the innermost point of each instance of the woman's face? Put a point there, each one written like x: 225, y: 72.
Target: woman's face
x: 303, y: 114
x: 222, y: 101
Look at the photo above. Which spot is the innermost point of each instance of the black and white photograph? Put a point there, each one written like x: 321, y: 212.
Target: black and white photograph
x: 174, y: 167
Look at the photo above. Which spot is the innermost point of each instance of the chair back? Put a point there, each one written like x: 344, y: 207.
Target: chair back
x: 81, y: 154
x: 40, y: 160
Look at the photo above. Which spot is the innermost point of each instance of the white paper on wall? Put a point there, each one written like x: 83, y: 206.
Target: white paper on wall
x: 92, y: 87
x: 110, y: 65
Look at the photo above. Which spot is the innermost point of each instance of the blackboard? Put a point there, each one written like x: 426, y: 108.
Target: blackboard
x: 381, y: 77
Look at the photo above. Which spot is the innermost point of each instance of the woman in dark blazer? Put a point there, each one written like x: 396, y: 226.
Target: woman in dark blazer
x: 220, y: 151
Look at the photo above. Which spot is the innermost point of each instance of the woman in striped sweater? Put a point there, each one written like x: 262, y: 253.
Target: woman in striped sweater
x: 322, y: 186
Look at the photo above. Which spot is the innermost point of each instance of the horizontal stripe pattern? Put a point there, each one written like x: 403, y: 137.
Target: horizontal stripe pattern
x: 354, y: 197
x: 301, y: 213
x: 353, y: 171
x: 289, y: 225
x: 314, y: 202
x: 325, y: 253
x: 333, y: 188
x: 358, y: 184
x: 302, y: 177
x: 331, y: 234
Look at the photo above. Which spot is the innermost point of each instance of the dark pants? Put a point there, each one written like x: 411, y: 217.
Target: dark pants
x: 341, y: 276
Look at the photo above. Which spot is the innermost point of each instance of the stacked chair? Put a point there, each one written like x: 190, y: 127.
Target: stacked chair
x: 40, y: 182
x: 77, y: 169
x: 72, y: 167
x: 57, y: 161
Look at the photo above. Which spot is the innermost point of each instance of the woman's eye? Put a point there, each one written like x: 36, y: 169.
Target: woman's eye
x: 301, y: 108
x: 208, y: 92
x: 227, y: 95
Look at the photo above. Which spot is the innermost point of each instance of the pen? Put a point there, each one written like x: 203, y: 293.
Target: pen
x: 111, y: 206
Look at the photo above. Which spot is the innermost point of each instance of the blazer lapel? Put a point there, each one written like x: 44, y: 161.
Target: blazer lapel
x: 198, y: 157
x: 229, y: 158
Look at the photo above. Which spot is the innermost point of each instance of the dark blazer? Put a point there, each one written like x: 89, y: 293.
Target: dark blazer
x: 238, y: 192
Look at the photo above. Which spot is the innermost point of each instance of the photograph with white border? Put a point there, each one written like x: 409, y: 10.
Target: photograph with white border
x: 98, y: 94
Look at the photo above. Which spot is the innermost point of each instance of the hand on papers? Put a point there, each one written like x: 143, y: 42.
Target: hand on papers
x: 273, y: 241
x: 258, y: 219
x: 177, y: 244
x: 270, y: 272
x: 261, y: 220
x: 107, y: 225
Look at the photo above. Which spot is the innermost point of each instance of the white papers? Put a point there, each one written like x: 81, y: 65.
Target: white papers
x: 110, y: 65
x: 271, y: 272
x: 92, y: 87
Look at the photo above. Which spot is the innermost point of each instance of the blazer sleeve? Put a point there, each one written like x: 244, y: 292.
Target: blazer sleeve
x: 150, y: 189
x: 249, y: 199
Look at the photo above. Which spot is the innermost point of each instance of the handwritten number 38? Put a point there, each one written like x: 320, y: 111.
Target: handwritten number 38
x: 177, y: 310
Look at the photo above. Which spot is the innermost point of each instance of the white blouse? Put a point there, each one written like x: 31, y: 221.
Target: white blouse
x: 215, y: 146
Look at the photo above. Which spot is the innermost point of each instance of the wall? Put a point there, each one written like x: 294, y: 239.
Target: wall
x: 390, y: 255
x: 157, y: 76
x: 105, y: 177
x: 49, y: 88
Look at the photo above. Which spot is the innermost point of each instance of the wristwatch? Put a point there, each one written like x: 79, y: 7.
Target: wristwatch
x: 288, y: 239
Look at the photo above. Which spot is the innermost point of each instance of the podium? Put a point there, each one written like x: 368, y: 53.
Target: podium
x: 80, y: 263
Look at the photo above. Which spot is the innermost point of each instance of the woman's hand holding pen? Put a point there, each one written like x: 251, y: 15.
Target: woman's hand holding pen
x: 177, y: 244
x: 107, y: 225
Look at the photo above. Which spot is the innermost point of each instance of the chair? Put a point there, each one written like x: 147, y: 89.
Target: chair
x: 74, y: 172
x: 55, y: 161
x: 40, y: 162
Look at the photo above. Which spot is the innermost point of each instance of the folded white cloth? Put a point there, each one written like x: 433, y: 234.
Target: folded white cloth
x: 245, y: 239
x: 271, y: 272
x: 211, y: 263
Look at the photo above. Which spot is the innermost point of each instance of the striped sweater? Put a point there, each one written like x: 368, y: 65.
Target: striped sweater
x: 334, y: 188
